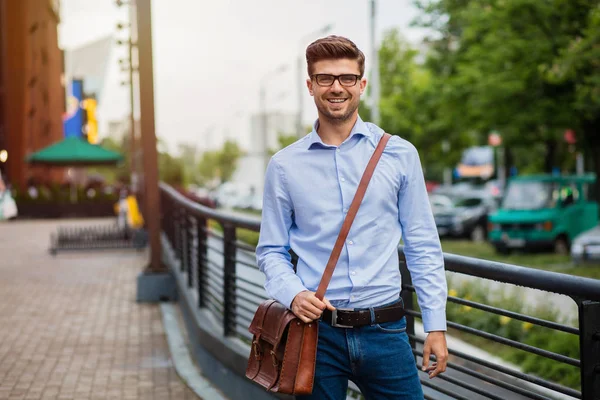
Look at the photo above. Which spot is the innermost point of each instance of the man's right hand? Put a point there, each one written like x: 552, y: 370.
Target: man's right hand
x: 307, y: 307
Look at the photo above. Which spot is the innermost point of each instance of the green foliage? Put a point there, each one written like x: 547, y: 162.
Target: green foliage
x: 528, y: 69
x: 283, y: 141
x: 219, y: 164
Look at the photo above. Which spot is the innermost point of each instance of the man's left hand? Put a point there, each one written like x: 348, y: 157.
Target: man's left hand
x: 435, y: 343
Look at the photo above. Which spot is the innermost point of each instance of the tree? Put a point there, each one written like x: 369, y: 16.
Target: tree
x: 284, y: 140
x: 219, y: 164
x: 493, y: 58
x: 410, y: 106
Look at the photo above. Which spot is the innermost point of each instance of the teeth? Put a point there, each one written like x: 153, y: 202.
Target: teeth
x: 337, y: 100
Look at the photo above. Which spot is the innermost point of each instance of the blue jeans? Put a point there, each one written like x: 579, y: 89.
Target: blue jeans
x: 377, y: 358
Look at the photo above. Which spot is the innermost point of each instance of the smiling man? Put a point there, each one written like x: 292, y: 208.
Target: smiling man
x: 309, y: 186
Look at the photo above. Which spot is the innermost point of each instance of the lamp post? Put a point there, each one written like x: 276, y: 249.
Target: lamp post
x: 148, y: 134
x: 263, y: 110
x: 300, y: 82
x: 130, y: 44
x: 375, y: 71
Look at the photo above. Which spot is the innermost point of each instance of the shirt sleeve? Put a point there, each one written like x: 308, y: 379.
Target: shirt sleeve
x: 422, y: 246
x: 272, y: 252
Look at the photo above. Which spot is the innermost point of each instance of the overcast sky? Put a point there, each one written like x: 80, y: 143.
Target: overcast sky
x: 210, y: 56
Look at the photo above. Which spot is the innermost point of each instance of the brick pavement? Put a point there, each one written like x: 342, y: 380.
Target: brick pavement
x: 70, y: 327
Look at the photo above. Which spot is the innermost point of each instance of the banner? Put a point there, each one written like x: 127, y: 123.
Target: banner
x: 73, y: 118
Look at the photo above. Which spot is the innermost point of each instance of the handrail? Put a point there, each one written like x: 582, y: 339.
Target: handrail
x: 201, y: 256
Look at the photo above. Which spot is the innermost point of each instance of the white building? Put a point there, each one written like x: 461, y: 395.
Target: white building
x: 251, y: 168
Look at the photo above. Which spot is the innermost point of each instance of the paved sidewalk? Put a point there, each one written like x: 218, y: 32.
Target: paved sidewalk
x: 70, y: 327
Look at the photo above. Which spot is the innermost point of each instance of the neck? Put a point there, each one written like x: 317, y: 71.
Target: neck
x: 334, y: 132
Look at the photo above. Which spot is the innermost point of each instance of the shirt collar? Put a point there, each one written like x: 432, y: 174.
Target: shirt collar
x: 359, y: 128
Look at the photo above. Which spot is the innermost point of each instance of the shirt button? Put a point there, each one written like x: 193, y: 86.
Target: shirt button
x: 353, y: 272
x: 338, y: 150
x: 345, y: 210
x: 342, y: 179
x: 350, y: 242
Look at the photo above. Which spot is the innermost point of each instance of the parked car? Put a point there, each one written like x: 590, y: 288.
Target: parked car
x: 543, y: 212
x: 466, y: 217
x: 586, y: 246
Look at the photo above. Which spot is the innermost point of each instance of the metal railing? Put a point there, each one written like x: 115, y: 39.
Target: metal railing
x: 221, y: 272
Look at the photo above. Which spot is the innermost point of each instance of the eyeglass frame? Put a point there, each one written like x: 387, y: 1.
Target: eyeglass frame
x: 337, y: 78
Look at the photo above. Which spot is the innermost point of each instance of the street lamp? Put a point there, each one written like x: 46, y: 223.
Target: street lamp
x: 130, y: 44
x: 374, y: 83
x: 300, y: 81
x: 263, y: 109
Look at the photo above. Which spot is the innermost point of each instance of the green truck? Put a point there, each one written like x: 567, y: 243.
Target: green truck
x: 543, y: 212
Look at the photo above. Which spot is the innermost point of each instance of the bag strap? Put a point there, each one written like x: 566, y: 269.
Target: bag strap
x: 360, y: 193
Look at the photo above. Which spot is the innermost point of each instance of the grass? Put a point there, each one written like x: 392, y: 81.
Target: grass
x: 545, y: 261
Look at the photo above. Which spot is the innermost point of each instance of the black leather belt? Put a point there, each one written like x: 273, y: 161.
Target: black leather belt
x: 351, y: 318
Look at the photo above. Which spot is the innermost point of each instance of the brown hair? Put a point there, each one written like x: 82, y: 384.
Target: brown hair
x: 334, y: 48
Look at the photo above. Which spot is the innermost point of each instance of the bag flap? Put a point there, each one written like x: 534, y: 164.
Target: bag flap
x: 270, y: 321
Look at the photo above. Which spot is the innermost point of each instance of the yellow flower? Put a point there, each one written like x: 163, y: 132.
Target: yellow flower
x: 504, y: 320
x: 527, y: 326
x: 465, y: 308
x: 452, y: 293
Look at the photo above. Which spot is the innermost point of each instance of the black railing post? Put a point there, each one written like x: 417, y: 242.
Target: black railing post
x: 182, y: 238
x: 202, y: 255
x: 176, y: 232
x: 589, y: 348
x: 229, y: 301
x: 189, y: 245
x: 407, y: 298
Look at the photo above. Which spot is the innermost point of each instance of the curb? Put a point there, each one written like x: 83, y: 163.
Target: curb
x: 187, y: 370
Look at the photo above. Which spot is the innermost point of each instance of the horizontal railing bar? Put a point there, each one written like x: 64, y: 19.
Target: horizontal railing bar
x: 249, y: 300
x: 549, y: 281
x: 511, y: 314
x: 248, y: 222
x: 214, y: 303
x: 246, y: 264
x: 442, y: 390
x: 509, y: 342
x: 517, y: 374
x: 244, y: 246
x: 249, y: 283
x: 257, y: 298
x: 215, y: 249
x: 214, y: 296
x: 247, y: 309
x: 489, y: 379
x: 214, y: 283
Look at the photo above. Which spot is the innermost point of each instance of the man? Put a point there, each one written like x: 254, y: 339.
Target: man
x: 309, y: 186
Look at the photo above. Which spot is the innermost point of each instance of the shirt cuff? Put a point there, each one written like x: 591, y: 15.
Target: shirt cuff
x: 286, y: 293
x: 434, y: 320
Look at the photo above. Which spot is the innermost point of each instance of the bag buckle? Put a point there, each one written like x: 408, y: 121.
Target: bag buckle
x: 334, y: 318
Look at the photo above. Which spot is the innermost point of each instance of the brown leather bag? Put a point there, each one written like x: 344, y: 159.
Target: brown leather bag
x: 284, y: 349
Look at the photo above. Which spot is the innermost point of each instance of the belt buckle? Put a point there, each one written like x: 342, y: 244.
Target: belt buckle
x: 334, y: 318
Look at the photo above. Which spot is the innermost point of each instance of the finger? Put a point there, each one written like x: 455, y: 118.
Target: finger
x: 311, y: 315
x: 435, y: 372
x: 328, y: 304
x: 308, y: 308
x: 426, y: 354
x: 431, y: 367
x: 316, y: 302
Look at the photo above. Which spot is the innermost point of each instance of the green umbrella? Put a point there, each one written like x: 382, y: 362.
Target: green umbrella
x: 74, y: 151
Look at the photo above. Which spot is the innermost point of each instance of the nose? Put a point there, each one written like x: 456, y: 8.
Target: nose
x: 336, y: 87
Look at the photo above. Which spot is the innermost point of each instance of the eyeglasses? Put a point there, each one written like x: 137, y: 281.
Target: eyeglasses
x: 328, y: 80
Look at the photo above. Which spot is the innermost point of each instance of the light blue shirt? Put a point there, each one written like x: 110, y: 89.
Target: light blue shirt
x: 309, y: 186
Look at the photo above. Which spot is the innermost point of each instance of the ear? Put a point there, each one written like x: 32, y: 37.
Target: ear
x: 309, y: 85
x: 363, y: 84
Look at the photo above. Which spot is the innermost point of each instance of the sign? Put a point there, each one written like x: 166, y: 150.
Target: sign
x: 73, y: 118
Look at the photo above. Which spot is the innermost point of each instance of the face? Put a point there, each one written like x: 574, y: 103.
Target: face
x: 336, y: 103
